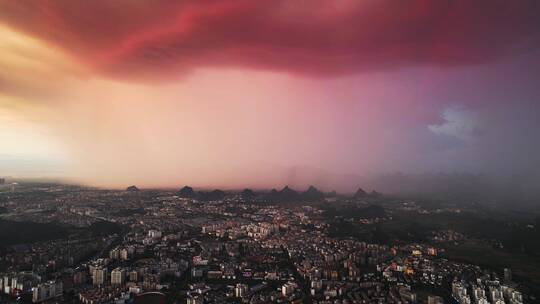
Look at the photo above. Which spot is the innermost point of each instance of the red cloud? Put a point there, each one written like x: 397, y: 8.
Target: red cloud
x: 148, y: 38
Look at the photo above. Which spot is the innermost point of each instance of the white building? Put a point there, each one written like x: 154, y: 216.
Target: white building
x: 118, y: 276
x: 288, y: 288
x: 124, y: 254
x: 435, y: 300
x: 99, y: 275
x: 46, y: 291
x: 133, y: 276
x: 459, y: 292
x: 155, y: 234
x: 241, y: 290
x: 194, y: 299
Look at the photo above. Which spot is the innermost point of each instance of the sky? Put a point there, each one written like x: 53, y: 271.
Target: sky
x: 264, y: 93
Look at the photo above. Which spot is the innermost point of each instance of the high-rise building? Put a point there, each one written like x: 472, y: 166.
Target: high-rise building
x: 124, y: 254
x: 513, y: 296
x: 114, y: 254
x: 6, y: 287
x: 46, y: 291
x: 496, y: 294
x: 241, y: 290
x: 407, y: 295
x: 133, y: 276
x: 288, y: 288
x: 155, y: 234
x: 194, y: 299
x: 479, y: 295
x: 435, y: 300
x: 459, y: 292
x: 316, y: 284
x: 99, y: 275
x: 118, y: 276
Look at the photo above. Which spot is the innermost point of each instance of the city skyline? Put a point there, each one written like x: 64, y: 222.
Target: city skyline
x: 240, y: 93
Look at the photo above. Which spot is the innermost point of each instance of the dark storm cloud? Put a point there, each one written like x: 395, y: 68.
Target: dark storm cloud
x: 153, y: 38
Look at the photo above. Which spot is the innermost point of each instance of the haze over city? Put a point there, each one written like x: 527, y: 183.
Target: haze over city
x: 245, y: 93
x: 279, y: 151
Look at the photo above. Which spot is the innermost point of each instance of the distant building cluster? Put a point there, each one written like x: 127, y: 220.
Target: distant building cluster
x: 135, y: 244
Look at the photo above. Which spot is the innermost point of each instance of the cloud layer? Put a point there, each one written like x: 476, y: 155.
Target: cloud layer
x: 148, y: 38
x: 235, y: 93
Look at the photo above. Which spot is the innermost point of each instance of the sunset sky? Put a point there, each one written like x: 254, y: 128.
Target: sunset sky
x: 234, y: 93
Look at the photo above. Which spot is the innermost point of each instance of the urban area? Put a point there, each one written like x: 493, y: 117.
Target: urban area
x: 73, y: 244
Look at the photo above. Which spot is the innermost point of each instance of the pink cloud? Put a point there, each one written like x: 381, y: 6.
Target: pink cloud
x: 155, y: 38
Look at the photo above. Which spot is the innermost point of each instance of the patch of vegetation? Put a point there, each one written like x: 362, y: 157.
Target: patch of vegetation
x: 369, y: 212
x: 130, y: 212
x: 345, y: 229
x: 12, y: 233
x: 525, y: 268
x: 515, y: 237
x: 103, y: 228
